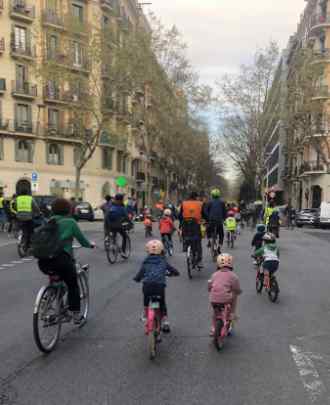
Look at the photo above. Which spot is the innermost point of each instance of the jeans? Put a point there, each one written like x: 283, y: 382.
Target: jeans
x: 27, y: 229
x: 215, y: 227
x: 64, y: 266
x: 191, y: 233
x: 122, y: 233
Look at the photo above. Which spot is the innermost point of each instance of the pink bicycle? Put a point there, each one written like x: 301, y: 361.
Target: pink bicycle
x: 153, y: 326
x: 222, y: 324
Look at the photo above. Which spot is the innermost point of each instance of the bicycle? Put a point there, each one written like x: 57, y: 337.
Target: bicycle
x: 51, y: 308
x: 214, y: 246
x: 168, y: 245
x: 222, y: 324
x: 23, y: 249
x: 231, y: 239
x: 270, y: 284
x: 153, y: 326
x: 112, y: 248
x: 191, y: 257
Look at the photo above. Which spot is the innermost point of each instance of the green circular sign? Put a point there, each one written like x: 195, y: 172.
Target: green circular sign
x: 121, y: 181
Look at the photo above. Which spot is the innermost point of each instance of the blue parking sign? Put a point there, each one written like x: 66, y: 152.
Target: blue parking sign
x: 34, y: 176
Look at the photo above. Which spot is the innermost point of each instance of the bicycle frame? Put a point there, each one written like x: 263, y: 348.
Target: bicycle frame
x: 224, y: 315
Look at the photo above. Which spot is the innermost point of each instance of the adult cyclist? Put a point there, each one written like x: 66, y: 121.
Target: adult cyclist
x: 116, y: 216
x: 216, y: 213
x: 190, y: 218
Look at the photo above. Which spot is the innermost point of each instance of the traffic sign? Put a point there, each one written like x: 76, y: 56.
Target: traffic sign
x: 34, y: 176
x: 121, y: 181
x: 34, y: 186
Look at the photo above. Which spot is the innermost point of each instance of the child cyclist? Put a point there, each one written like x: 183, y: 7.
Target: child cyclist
x: 270, y: 254
x: 230, y: 224
x: 153, y: 274
x: 224, y: 286
x: 166, y: 226
x: 148, y: 225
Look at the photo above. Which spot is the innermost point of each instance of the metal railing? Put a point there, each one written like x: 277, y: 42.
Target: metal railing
x: 3, y: 84
x: 322, y: 91
x: 22, y: 49
x: 319, y: 19
x: 2, y: 45
x: 25, y: 88
x: 25, y: 127
x: 312, y: 166
x: 52, y: 17
x: 21, y: 7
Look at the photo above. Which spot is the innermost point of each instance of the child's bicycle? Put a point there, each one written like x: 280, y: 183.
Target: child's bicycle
x: 148, y: 231
x: 222, y: 324
x: 231, y: 239
x: 153, y: 326
x: 113, y: 247
x: 168, y: 245
x: 191, y: 257
x: 270, y: 284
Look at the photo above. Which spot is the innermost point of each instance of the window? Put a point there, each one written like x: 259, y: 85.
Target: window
x: 78, y: 13
x: 77, y: 54
x: 119, y: 161
x: 105, y: 21
x: 76, y: 155
x: 1, y: 148
x: 54, y: 154
x: 24, y: 150
x: 20, y: 38
x: 52, y: 48
x: 21, y: 76
x: 53, y: 118
x: 107, y: 154
x: 23, y: 118
x: 53, y: 5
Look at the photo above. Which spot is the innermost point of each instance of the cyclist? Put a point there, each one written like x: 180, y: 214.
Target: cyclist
x: 105, y: 207
x: 190, y: 218
x: 224, y: 285
x: 153, y: 274
x: 270, y: 254
x: 257, y: 240
x: 216, y: 214
x: 2, y: 211
x: 27, y: 211
x: 116, y: 217
x: 64, y: 264
x: 166, y: 226
x: 231, y: 225
x: 147, y: 222
x: 274, y: 223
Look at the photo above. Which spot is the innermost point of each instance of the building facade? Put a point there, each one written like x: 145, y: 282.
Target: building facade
x: 37, y: 137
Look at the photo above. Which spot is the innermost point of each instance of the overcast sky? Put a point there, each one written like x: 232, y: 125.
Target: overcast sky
x: 222, y: 34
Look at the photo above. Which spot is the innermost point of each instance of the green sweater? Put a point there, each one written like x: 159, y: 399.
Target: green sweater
x: 69, y: 230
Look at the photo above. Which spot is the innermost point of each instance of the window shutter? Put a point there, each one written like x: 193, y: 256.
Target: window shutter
x: 31, y: 151
x: 61, y: 152
x: 1, y: 149
x: 29, y: 116
x: 47, y: 153
x: 17, y: 156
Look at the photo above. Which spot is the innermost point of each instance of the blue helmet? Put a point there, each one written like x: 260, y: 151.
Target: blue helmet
x: 261, y: 228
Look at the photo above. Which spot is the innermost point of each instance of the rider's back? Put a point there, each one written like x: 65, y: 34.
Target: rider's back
x: 216, y: 211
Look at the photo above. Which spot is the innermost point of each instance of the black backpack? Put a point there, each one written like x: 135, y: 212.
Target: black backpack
x: 45, y: 241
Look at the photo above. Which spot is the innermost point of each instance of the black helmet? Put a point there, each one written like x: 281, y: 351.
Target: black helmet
x: 61, y: 206
x: 193, y: 195
x: 119, y: 197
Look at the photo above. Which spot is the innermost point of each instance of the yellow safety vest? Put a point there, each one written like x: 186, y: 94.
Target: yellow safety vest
x: 268, y: 214
x: 11, y: 206
x: 1, y: 202
x: 230, y: 224
x: 24, y: 203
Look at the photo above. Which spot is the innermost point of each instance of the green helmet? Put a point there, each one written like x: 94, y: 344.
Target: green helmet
x: 215, y: 193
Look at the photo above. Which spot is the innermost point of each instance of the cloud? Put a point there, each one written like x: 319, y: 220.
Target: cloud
x: 223, y: 34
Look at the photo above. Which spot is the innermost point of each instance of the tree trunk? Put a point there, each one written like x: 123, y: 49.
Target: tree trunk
x: 77, y: 191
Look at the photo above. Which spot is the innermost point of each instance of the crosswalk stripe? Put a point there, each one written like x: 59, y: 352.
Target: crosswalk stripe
x: 7, y: 265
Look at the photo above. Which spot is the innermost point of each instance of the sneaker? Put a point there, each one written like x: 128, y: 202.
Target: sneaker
x: 166, y: 326
x: 209, y: 244
x: 143, y: 317
x: 77, y: 317
x: 212, y: 331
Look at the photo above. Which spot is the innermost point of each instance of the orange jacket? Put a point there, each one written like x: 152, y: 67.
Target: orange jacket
x: 192, y: 209
x: 147, y: 222
x: 166, y: 226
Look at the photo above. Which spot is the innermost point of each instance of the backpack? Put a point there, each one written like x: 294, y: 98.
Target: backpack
x: 45, y: 241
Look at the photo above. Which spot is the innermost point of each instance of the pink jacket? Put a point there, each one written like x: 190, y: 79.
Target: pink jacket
x: 224, y: 286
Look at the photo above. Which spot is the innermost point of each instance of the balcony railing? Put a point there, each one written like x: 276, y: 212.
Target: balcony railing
x: 2, y: 85
x: 2, y: 45
x: 312, y: 167
x: 4, y: 124
x: 321, y: 55
x: 52, y: 17
x: 25, y: 89
x: 140, y: 176
x: 20, y: 9
x: 321, y: 92
x: 22, y: 50
x: 320, y: 20
x: 322, y: 127
x: 25, y: 127
x: 59, y: 130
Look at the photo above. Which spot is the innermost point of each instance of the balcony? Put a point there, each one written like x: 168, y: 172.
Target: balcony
x: 312, y: 167
x: 140, y: 177
x: 22, y: 50
x: 20, y: 10
x: 24, y: 90
x: 321, y: 56
x: 59, y: 130
x: 2, y: 45
x: 319, y: 21
x: 4, y: 124
x: 24, y: 127
x: 57, y: 96
x: 110, y: 5
x: 321, y: 93
x: 2, y: 86
x: 52, y: 18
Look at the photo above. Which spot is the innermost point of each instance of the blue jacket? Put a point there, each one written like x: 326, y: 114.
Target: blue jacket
x: 116, y: 215
x: 154, y: 270
x: 216, y: 210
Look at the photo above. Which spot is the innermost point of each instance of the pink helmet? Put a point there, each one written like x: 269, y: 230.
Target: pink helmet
x: 225, y: 260
x: 154, y: 247
x: 231, y: 214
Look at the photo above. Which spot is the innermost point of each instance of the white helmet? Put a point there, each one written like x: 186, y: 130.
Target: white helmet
x: 225, y: 260
x: 167, y: 212
x: 155, y: 247
x: 269, y: 237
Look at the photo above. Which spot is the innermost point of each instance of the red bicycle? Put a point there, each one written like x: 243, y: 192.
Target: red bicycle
x: 153, y: 326
x: 222, y: 324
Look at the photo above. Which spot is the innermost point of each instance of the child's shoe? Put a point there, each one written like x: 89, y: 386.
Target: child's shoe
x: 212, y: 331
x: 166, y: 326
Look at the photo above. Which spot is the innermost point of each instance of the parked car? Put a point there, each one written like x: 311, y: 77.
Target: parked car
x: 98, y: 214
x: 323, y: 217
x: 84, y: 210
x: 308, y: 216
x: 45, y: 204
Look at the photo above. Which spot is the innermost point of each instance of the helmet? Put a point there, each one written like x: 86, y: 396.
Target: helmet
x: 194, y: 195
x: 167, y: 212
x: 61, y: 206
x: 231, y: 214
x: 261, y: 228
x: 154, y: 247
x: 225, y: 260
x: 269, y: 237
x: 215, y: 193
x: 119, y: 197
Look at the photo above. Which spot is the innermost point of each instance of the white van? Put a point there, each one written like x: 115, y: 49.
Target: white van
x: 324, y: 219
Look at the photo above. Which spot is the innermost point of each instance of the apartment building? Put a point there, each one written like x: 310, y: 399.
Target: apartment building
x: 37, y: 137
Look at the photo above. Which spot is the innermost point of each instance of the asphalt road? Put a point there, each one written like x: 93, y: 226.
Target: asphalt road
x: 279, y: 354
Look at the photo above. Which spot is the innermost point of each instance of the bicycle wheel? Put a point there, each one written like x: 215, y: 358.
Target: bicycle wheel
x: 84, y: 295
x: 217, y: 339
x: 22, y: 250
x: 232, y: 240
x: 189, y: 262
x: 46, y: 319
x: 259, y: 283
x: 152, y: 340
x: 125, y: 255
x: 214, y: 250
x: 274, y: 290
x: 112, y: 251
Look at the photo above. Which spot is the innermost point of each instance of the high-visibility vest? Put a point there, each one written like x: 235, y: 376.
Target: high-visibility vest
x: 231, y: 224
x: 268, y: 213
x: 24, y: 203
x: 192, y: 209
x: 1, y: 202
x: 11, y: 206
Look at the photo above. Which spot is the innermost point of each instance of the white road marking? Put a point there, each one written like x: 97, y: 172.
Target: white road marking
x: 17, y: 262
x: 27, y: 260
x: 7, y: 244
x: 7, y: 265
x: 308, y: 373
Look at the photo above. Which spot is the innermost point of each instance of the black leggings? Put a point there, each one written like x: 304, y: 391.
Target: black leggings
x: 151, y: 290
x: 65, y: 267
